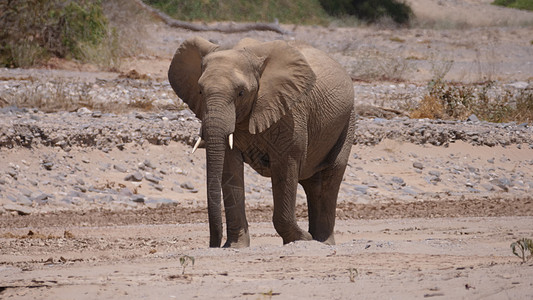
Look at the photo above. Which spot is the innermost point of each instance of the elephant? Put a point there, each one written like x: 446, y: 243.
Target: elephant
x: 284, y: 108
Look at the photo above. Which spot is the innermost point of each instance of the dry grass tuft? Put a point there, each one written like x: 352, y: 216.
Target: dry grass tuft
x: 430, y: 107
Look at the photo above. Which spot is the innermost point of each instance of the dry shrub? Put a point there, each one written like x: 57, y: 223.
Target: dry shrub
x: 457, y: 102
x: 430, y: 107
x: 61, y: 95
x: 372, y: 64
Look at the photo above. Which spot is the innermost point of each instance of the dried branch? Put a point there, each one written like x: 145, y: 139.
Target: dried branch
x: 219, y: 27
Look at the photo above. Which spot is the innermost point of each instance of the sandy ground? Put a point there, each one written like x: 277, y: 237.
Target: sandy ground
x: 437, y: 244
x: 433, y: 245
x: 460, y: 258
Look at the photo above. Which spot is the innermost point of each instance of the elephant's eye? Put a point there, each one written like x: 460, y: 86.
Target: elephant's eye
x: 241, y: 93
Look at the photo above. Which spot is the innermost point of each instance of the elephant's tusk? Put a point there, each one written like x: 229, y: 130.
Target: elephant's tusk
x: 230, y: 141
x: 197, y: 144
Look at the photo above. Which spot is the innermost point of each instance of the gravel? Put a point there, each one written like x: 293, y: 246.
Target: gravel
x: 67, y: 129
x: 63, y: 182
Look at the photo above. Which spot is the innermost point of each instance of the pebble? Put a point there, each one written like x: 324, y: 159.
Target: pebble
x: 418, y: 165
x: 398, y: 180
x: 187, y: 186
x: 136, y: 176
x: 152, y: 178
x: 138, y: 198
x: 84, y: 128
x: 120, y: 168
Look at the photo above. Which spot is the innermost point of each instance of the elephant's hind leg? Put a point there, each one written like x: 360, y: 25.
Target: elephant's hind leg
x: 322, y: 190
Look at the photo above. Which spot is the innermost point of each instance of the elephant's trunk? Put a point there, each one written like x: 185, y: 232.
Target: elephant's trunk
x: 218, y: 125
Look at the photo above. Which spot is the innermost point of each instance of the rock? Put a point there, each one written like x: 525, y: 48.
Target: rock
x: 409, y: 191
x: 502, y: 183
x: 160, y: 201
x: 40, y: 197
x: 152, y: 178
x: 21, y: 210
x: 136, y: 176
x: 472, y: 118
x: 83, y: 111
x: 24, y: 200
x: 434, y: 173
x: 81, y: 188
x: 418, y: 165
x: 363, y: 189
x: 518, y: 85
x: 398, y: 180
x: 149, y: 164
x: 80, y: 181
x: 138, y: 198
x: 48, y: 165
x: 434, y: 179
x: 187, y: 186
x: 25, y: 192
x: 489, y: 187
x: 120, y: 168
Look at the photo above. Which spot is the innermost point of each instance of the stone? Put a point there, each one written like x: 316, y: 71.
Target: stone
x: 489, y: 187
x: 187, y: 186
x: 40, y: 197
x: 434, y: 173
x: 418, y: 165
x: 138, y: 198
x: 136, y: 176
x: 160, y: 201
x: 363, y: 189
x: 21, y: 210
x: 152, y: 178
x: 48, y: 165
x: 519, y: 85
x: 501, y: 183
x: 149, y: 164
x: 120, y: 168
x: 398, y: 180
x: 83, y: 111
x: 125, y: 192
x: 472, y: 118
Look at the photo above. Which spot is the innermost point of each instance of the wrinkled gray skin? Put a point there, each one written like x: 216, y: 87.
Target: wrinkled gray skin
x: 290, y: 109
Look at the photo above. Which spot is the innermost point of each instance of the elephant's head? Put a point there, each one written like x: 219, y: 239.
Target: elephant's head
x: 250, y: 86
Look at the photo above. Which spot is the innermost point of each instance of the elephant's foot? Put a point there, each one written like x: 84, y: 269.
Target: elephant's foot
x: 329, y: 241
x: 240, y: 240
x: 296, y: 235
x: 325, y: 236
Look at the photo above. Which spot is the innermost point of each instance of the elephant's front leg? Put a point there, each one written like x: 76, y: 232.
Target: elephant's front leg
x: 284, y: 188
x: 233, y: 193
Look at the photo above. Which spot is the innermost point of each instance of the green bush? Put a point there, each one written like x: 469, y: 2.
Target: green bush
x: 370, y: 10
x: 32, y: 30
x: 520, y: 4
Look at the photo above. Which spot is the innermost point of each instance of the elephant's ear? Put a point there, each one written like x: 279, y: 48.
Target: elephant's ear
x: 285, y: 80
x: 185, y: 70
